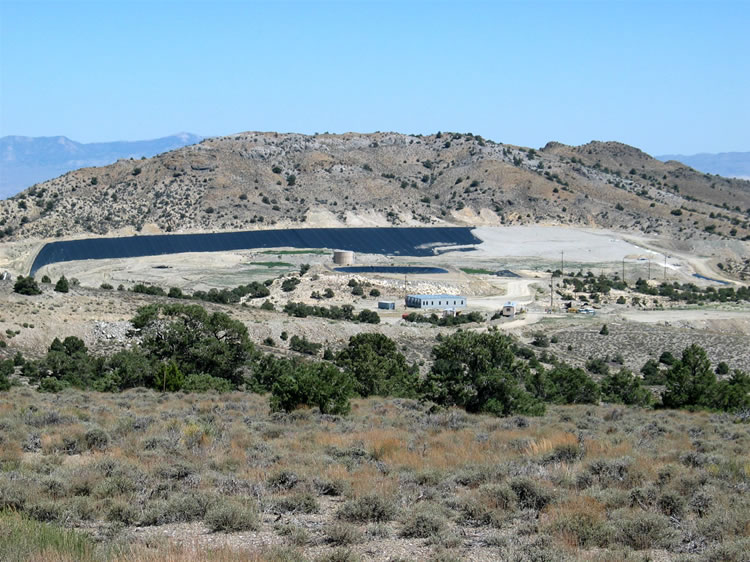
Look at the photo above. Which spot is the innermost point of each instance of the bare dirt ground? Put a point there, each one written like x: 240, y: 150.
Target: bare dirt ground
x: 726, y: 339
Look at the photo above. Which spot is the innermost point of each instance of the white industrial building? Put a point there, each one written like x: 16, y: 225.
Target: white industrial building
x: 443, y: 302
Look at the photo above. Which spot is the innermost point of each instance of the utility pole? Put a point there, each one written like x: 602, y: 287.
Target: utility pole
x: 551, y: 292
x: 562, y: 262
x: 665, y: 268
x: 623, y: 270
x: 649, y: 270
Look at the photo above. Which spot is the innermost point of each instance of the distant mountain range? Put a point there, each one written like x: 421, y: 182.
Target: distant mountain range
x: 25, y: 161
x: 727, y: 164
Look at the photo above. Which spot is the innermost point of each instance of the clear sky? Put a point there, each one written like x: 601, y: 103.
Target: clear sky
x: 668, y: 77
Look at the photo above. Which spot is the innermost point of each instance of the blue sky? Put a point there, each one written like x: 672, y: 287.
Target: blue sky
x: 668, y: 77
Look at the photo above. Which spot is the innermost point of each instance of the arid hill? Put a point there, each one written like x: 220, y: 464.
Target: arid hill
x: 256, y: 180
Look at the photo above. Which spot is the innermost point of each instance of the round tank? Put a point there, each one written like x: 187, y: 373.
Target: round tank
x: 343, y: 257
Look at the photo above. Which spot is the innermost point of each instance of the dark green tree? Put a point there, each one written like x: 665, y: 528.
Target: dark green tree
x: 377, y: 367
x: 652, y: 375
x: 6, y: 369
x: 197, y: 341
x: 26, y: 286
x: 479, y: 371
x: 732, y: 394
x: 313, y: 384
x: 62, y: 285
x: 168, y: 377
x: 130, y: 368
x: 67, y: 361
x: 368, y: 317
x: 571, y: 386
x: 690, y: 380
x: 623, y: 387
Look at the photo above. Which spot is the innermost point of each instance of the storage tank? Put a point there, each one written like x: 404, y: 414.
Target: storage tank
x: 343, y: 257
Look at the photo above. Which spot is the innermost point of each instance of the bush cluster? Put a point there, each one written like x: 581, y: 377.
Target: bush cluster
x: 343, y: 312
x: 436, y: 320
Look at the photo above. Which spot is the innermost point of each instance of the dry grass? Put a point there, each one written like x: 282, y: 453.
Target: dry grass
x: 158, y: 471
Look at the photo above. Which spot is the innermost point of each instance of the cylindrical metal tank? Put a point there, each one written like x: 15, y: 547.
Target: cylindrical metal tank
x: 343, y: 257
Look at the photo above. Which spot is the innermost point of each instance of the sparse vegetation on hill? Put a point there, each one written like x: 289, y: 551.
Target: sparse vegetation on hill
x: 227, y: 183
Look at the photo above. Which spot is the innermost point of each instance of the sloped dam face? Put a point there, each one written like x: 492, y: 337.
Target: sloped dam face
x: 412, y: 241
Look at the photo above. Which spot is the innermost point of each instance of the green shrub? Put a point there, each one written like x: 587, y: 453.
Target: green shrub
x: 370, y: 508
x: 643, y: 530
x: 342, y: 534
x: 303, y: 345
x: 283, y: 480
x: 97, y: 439
x: 51, y: 384
x: 585, y: 528
x: 498, y: 496
x: 122, y: 512
x: 202, y: 382
x: 44, y: 511
x: 530, y: 494
x: 423, y: 522
x: 298, y: 503
x: 294, y: 534
x: 230, y: 517
x: 730, y: 551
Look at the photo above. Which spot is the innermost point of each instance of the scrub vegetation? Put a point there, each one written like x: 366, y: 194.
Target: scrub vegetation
x: 105, y: 476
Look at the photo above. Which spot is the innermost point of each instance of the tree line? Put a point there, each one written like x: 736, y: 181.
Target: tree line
x: 183, y: 347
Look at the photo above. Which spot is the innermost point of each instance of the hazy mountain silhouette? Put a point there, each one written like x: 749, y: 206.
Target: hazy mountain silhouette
x: 25, y: 161
x: 727, y: 164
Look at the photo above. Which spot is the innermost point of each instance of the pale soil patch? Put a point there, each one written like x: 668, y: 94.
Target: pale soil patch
x: 637, y: 342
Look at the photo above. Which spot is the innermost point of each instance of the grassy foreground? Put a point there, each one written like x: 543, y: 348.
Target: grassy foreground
x: 147, y: 476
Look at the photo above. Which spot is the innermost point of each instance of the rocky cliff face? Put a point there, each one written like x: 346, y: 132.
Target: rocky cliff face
x: 261, y: 180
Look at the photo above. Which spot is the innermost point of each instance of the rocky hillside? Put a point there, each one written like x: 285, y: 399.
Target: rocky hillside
x: 256, y: 180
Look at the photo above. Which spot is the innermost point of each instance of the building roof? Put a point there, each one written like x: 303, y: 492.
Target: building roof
x: 435, y: 296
